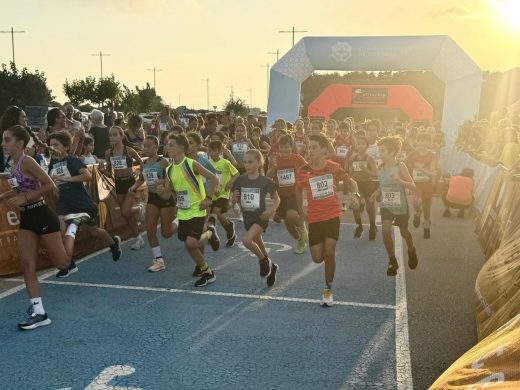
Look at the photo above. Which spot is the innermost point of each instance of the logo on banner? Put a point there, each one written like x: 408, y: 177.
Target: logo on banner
x: 342, y: 51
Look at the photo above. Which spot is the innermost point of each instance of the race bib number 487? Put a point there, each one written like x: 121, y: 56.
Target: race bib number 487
x: 322, y: 186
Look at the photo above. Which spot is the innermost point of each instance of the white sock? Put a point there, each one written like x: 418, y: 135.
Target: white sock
x: 176, y: 222
x: 71, y: 230
x: 157, y: 252
x: 37, y: 305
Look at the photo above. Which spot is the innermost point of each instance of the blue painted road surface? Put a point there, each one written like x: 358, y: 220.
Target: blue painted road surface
x: 117, y: 326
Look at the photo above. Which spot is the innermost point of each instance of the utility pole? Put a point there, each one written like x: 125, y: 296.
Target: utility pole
x: 267, y: 74
x: 231, y: 93
x: 207, y: 91
x: 101, y: 55
x: 277, y: 52
x: 293, y: 31
x: 250, y: 96
x: 12, y: 32
x: 154, y: 70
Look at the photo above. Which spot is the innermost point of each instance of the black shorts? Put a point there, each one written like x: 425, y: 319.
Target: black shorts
x: 367, y: 188
x: 221, y: 203
x: 39, y: 218
x: 319, y: 231
x: 191, y: 228
x: 123, y: 184
x: 286, y: 204
x: 159, y: 202
x: 398, y: 220
x: 256, y: 221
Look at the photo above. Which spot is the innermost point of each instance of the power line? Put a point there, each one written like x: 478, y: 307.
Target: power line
x: 12, y: 32
x: 293, y: 31
x: 277, y: 52
x: 101, y: 55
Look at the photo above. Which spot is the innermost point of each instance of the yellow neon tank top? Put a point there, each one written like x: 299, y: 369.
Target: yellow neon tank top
x: 189, y: 189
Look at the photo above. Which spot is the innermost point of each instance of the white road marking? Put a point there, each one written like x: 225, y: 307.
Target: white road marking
x: 402, y: 342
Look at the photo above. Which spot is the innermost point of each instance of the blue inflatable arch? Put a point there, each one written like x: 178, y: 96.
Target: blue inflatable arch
x: 440, y: 54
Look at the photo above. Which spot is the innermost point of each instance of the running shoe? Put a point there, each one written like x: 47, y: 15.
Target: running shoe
x: 115, y: 248
x: 271, y: 279
x: 300, y: 245
x: 327, y: 298
x: 230, y: 230
x: 157, y: 265
x: 34, y: 321
x: 392, y: 266
x: 197, y: 273
x: 304, y: 233
x: 214, y: 241
x: 142, y: 212
x: 206, y: 278
x: 230, y: 242
x: 412, y: 259
x: 64, y: 273
x: 77, y: 218
x: 447, y: 213
x: 372, y: 233
x: 265, y: 267
x: 416, y: 220
x: 426, y: 233
x: 358, y: 231
x: 138, y: 243
x: 211, y: 220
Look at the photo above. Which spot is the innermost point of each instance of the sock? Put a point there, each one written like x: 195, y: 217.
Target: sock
x: 328, y: 285
x: 37, y: 305
x: 71, y: 230
x: 157, y: 252
x: 205, y: 267
x: 176, y: 221
x: 426, y: 224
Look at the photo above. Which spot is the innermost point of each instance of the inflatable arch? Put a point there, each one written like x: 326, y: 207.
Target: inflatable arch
x: 404, y: 97
x: 440, y: 54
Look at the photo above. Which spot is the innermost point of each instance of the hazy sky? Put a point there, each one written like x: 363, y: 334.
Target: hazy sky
x: 227, y: 40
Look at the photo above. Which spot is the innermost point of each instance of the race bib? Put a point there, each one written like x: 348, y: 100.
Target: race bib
x: 203, y: 154
x: 250, y: 199
x: 286, y: 177
x: 60, y: 169
x: 13, y: 182
x: 358, y: 166
x: 341, y: 151
x: 419, y: 175
x: 239, y: 150
x: 163, y: 126
x: 322, y: 186
x: 300, y: 146
x: 391, y: 198
x: 379, y: 163
x: 118, y: 162
x: 150, y: 176
x: 183, y: 200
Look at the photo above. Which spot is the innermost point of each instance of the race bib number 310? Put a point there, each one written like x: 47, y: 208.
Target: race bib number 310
x: 322, y: 186
x: 250, y: 199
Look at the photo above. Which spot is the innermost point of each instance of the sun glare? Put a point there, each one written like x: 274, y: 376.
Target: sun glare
x: 509, y: 12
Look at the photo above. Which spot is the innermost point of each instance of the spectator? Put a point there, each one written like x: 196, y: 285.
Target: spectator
x: 210, y: 129
x: 99, y: 132
x: 459, y: 194
x: 165, y: 120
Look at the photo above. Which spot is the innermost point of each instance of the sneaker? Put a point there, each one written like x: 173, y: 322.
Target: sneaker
x: 230, y: 242
x: 77, y: 218
x: 214, y: 241
x: 372, y: 233
x: 447, y: 213
x: 115, y: 248
x: 64, y: 273
x: 277, y: 218
x: 271, y: 279
x: 265, y: 267
x: 300, y: 245
x: 34, y: 321
x: 304, y: 233
x: 142, y: 212
x: 358, y: 231
x: 344, y: 207
x: 138, y: 243
x: 416, y: 220
x: 230, y: 230
x: 206, y: 278
x: 157, y: 265
x: 426, y: 233
x: 412, y: 259
x: 197, y: 273
x: 392, y: 267
x: 211, y: 220
x: 327, y: 298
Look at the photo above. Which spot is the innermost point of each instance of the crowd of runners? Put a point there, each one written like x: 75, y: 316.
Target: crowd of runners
x: 306, y: 174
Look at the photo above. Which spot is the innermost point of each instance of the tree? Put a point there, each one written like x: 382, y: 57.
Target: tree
x: 23, y: 88
x: 108, y: 91
x: 148, y: 99
x: 238, y: 106
x: 80, y: 91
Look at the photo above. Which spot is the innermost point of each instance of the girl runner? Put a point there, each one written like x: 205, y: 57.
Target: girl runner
x: 394, y: 178
x: 250, y: 189
x: 301, y: 141
x: 240, y: 146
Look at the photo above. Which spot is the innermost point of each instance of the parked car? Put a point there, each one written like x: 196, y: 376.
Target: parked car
x: 37, y: 116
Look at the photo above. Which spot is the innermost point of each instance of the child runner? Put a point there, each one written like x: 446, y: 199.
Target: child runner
x: 120, y: 158
x: 284, y: 170
x: 394, y: 178
x: 74, y: 205
x: 227, y: 173
x: 319, y: 178
x: 185, y: 178
x: 301, y: 141
x: 423, y: 164
x: 157, y: 208
x: 240, y: 146
x: 88, y: 147
x: 37, y: 222
x: 363, y: 170
x: 250, y: 190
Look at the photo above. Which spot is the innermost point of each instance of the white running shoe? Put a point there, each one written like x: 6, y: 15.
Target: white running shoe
x: 157, y: 265
x: 327, y: 299
x: 142, y: 209
x: 138, y: 243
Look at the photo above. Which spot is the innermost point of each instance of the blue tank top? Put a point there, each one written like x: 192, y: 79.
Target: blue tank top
x: 393, y: 194
x: 20, y: 182
x: 152, y: 173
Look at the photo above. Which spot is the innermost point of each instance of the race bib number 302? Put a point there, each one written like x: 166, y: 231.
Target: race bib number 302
x: 322, y: 186
x: 250, y: 198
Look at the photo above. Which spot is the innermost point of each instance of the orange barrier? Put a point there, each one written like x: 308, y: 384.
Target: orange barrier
x: 102, y: 190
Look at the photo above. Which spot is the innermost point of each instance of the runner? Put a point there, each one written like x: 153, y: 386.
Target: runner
x: 37, y: 222
x: 157, y: 208
x: 120, y: 158
x: 250, y: 190
x: 423, y: 164
x: 240, y: 146
x: 319, y: 178
x: 394, y: 178
x: 185, y: 178
x: 227, y: 173
x: 301, y: 141
x: 74, y: 206
x: 284, y: 170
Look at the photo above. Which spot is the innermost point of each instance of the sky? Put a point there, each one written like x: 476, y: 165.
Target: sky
x: 228, y: 41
